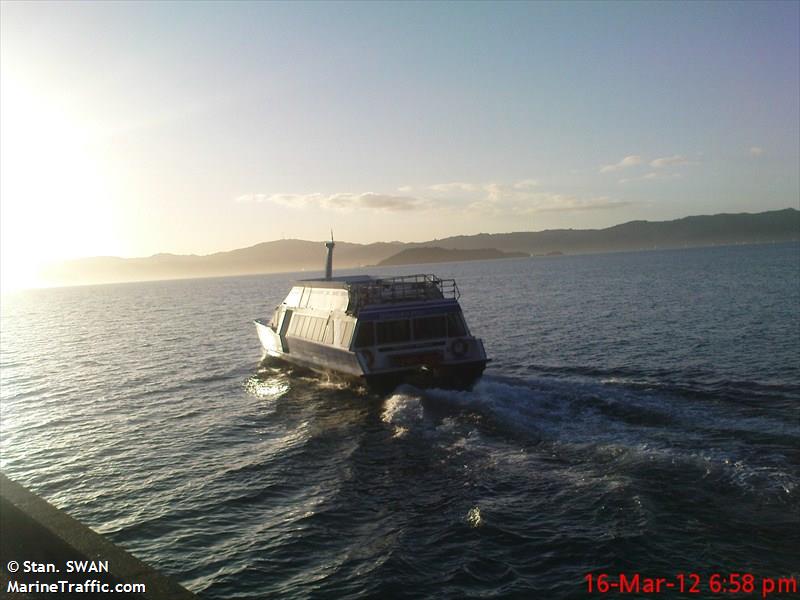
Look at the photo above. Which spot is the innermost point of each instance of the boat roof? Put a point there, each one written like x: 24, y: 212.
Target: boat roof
x: 341, y: 282
x: 366, y: 290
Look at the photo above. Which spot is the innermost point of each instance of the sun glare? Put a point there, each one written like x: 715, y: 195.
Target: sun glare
x: 54, y: 200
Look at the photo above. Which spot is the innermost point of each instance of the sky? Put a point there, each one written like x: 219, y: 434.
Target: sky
x: 129, y: 129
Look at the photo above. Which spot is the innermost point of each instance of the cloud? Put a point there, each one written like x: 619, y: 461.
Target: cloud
x: 651, y: 175
x: 628, y: 161
x: 756, y: 151
x: 456, y: 186
x: 518, y: 198
x: 341, y: 201
x: 372, y: 201
x: 571, y: 204
x: 504, y: 199
x: 670, y: 161
x: 526, y: 184
x: 659, y: 163
x: 462, y: 189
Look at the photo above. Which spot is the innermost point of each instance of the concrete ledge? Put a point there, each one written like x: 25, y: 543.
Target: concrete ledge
x: 31, y: 529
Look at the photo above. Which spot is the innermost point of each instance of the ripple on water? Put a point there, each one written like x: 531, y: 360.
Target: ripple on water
x: 628, y: 422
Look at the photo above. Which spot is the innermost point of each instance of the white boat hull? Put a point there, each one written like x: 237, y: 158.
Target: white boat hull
x: 380, y: 330
x: 404, y: 364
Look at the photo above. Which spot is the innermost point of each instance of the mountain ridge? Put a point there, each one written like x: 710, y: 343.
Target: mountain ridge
x: 436, y: 254
x: 276, y: 256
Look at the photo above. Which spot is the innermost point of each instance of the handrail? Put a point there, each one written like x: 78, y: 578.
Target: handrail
x: 403, y: 288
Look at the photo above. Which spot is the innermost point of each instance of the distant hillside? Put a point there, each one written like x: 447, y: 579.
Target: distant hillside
x: 268, y: 257
x: 715, y: 230
x: 435, y: 254
x: 297, y: 255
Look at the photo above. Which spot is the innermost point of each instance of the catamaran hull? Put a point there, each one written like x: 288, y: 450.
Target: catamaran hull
x: 308, y: 354
x: 346, y: 364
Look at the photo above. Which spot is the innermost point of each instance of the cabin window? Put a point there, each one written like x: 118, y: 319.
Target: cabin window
x: 365, y: 336
x: 393, y: 332
x: 430, y: 327
x: 455, y: 325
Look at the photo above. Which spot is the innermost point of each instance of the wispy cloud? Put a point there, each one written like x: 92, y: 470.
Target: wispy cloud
x: 576, y: 205
x: 526, y: 184
x: 670, y: 161
x: 516, y: 198
x: 456, y: 186
x: 756, y: 151
x: 543, y: 202
x: 375, y: 201
x: 664, y: 162
x: 341, y: 201
x: 525, y: 198
x: 628, y: 161
x: 650, y: 176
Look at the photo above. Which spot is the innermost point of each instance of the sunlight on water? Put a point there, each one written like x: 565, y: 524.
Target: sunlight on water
x: 270, y: 389
x: 270, y: 382
x: 597, y: 436
x: 402, y: 412
x: 474, y: 517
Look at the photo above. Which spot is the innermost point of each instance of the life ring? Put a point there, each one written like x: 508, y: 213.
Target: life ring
x: 459, y: 347
x: 369, y: 358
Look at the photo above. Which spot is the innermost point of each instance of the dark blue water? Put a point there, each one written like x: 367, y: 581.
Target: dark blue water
x: 641, y: 414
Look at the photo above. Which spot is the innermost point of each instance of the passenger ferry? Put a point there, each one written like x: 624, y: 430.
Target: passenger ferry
x: 381, y: 330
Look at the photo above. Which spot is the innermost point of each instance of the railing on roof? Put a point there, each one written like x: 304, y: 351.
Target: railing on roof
x: 405, y: 288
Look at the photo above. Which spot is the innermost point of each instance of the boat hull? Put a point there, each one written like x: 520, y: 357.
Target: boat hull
x: 305, y: 353
x: 346, y: 364
x: 270, y: 341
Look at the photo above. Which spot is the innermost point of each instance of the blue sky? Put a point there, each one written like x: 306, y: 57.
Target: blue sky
x: 198, y: 127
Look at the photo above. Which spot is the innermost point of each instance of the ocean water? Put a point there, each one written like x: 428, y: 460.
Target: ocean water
x: 641, y: 415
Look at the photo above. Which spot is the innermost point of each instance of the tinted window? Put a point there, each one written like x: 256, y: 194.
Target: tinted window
x: 429, y: 327
x: 455, y: 326
x: 392, y: 332
x: 365, y: 335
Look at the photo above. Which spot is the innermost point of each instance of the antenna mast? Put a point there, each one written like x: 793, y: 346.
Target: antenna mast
x: 329, y: 260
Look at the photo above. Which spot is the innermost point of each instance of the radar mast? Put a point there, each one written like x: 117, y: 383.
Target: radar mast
x: 329, y: 259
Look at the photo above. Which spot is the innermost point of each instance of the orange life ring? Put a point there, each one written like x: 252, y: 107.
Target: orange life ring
x: 459, y: 347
